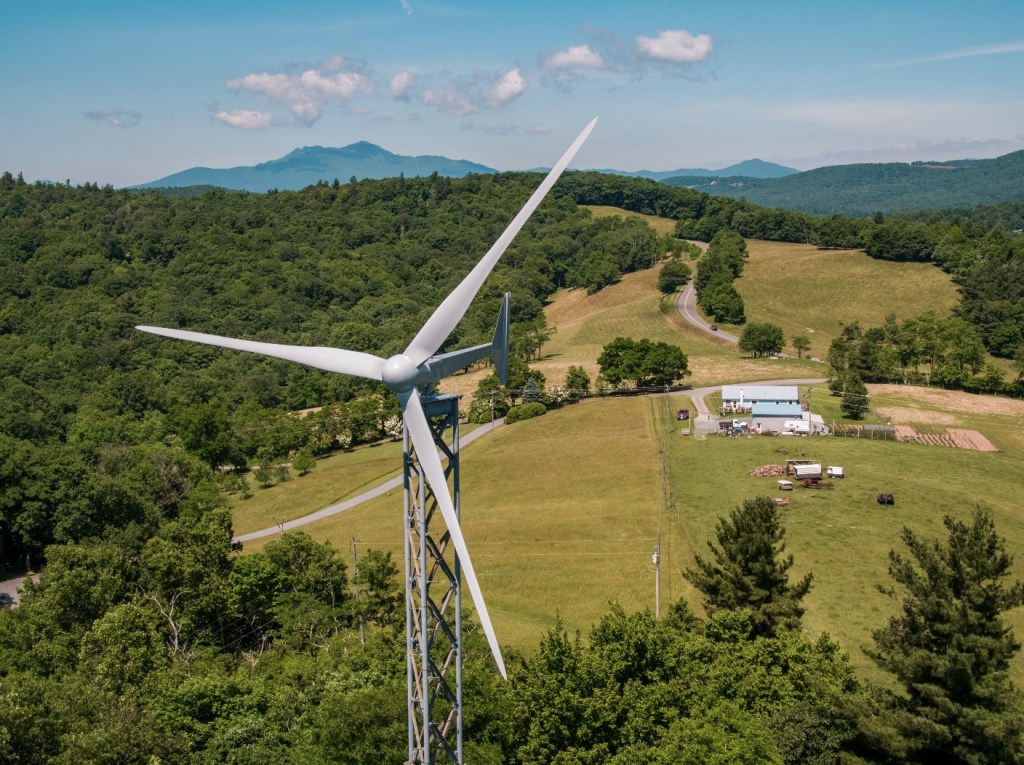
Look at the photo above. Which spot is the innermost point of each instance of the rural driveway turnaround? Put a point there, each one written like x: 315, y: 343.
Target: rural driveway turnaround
x: 390, y: 485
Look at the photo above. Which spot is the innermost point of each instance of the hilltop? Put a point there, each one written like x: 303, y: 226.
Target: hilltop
x: 863, y: 189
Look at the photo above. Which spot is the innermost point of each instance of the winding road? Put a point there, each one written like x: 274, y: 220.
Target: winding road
x: 686, y: 304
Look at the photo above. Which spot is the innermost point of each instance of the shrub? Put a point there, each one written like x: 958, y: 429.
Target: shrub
x: 525, y: 412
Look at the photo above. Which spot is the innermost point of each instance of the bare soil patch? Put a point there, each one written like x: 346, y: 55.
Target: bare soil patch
x: 971, y: 439
x: 959, y: 438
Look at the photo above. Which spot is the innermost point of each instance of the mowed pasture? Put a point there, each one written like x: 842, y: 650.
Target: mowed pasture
x: 561, y: 513
x: 813, y: 292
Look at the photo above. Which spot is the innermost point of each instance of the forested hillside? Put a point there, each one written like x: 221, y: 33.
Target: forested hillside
x: 90, y: 407
x: 863, y: 189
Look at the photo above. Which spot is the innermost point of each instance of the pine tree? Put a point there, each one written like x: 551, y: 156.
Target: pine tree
x: 748, y: 571
x: 855, y: 398
x: 950, y: 649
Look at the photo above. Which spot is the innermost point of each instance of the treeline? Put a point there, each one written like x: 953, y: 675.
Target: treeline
x: 720, y: 266
x: 923, y: 350
x: 176, y: 649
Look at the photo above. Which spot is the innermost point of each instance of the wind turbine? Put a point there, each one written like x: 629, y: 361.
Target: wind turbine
x: 419, y: 368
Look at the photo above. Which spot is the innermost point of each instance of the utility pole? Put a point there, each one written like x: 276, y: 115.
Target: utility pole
x: 355, y: 577
x: 656, y: 559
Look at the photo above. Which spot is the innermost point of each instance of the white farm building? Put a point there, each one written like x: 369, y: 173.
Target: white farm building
x: 774, y: 408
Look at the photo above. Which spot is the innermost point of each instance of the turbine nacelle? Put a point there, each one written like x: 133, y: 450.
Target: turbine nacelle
x: 400, y: 373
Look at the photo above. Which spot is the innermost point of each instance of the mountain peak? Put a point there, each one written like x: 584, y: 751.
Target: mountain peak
x: 310, y: 164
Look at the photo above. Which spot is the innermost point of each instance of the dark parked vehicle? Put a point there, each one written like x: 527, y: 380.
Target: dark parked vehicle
x: 683, y: 414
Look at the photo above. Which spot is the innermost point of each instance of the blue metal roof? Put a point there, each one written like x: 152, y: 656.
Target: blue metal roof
x: 771, y: 409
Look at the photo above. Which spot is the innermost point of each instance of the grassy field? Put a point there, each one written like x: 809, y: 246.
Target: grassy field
x: 813, y: 292
x: 568, y: 541
x: 562, y: 512
x: 334, y: 479
x: 660, y: 225
x: 548, y: 541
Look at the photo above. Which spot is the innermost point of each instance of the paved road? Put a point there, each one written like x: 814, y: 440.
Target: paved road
x: 388, y: 486
x: 686, y: 304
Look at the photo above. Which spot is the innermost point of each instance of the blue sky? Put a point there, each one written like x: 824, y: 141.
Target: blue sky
x: 123, y: 93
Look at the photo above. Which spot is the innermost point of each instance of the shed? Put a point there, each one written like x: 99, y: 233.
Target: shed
x: 835, y: 471
x: 807, y: 471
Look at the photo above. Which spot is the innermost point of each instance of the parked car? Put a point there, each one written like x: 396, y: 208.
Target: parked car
x: 714, y: 327
x: 683, y: 414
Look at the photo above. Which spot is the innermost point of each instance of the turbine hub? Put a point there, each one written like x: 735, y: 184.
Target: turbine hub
x: 399, y: 373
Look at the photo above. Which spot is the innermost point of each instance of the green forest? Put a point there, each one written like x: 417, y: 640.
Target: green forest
x: 863, y: 189
x: 150, y: 639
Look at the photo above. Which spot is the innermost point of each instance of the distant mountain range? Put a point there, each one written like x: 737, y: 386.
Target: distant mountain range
x: 853, y: 190
x: 310, y: 164
x: 751, y: 168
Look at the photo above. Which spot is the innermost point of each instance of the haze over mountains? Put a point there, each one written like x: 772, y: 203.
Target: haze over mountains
x: 310, y: 164
x: 853, y: 190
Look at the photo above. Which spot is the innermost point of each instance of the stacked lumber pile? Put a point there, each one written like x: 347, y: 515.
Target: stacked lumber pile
x: 766, y: 471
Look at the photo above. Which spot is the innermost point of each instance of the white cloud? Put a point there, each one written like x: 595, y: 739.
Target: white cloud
x: 675, y: 46
x: 450, y: 100
x: 576, y: 56
x: 307, y: 94
x: 511, y: 85
x: 118, y: 118
x: 406, y: 6
x: 400, y: 85
x: 969, y: 52
x: 245, y: 119
x: 462, y: 96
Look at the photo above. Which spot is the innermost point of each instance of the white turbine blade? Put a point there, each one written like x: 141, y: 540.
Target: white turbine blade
x: 328, y: 359
x: 426, y: 452
x: 450, y: 312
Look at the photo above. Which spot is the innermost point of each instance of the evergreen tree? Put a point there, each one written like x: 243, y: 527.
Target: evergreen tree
x: 855, y: 398
x: 747, y: 570
x: 950, y: 649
